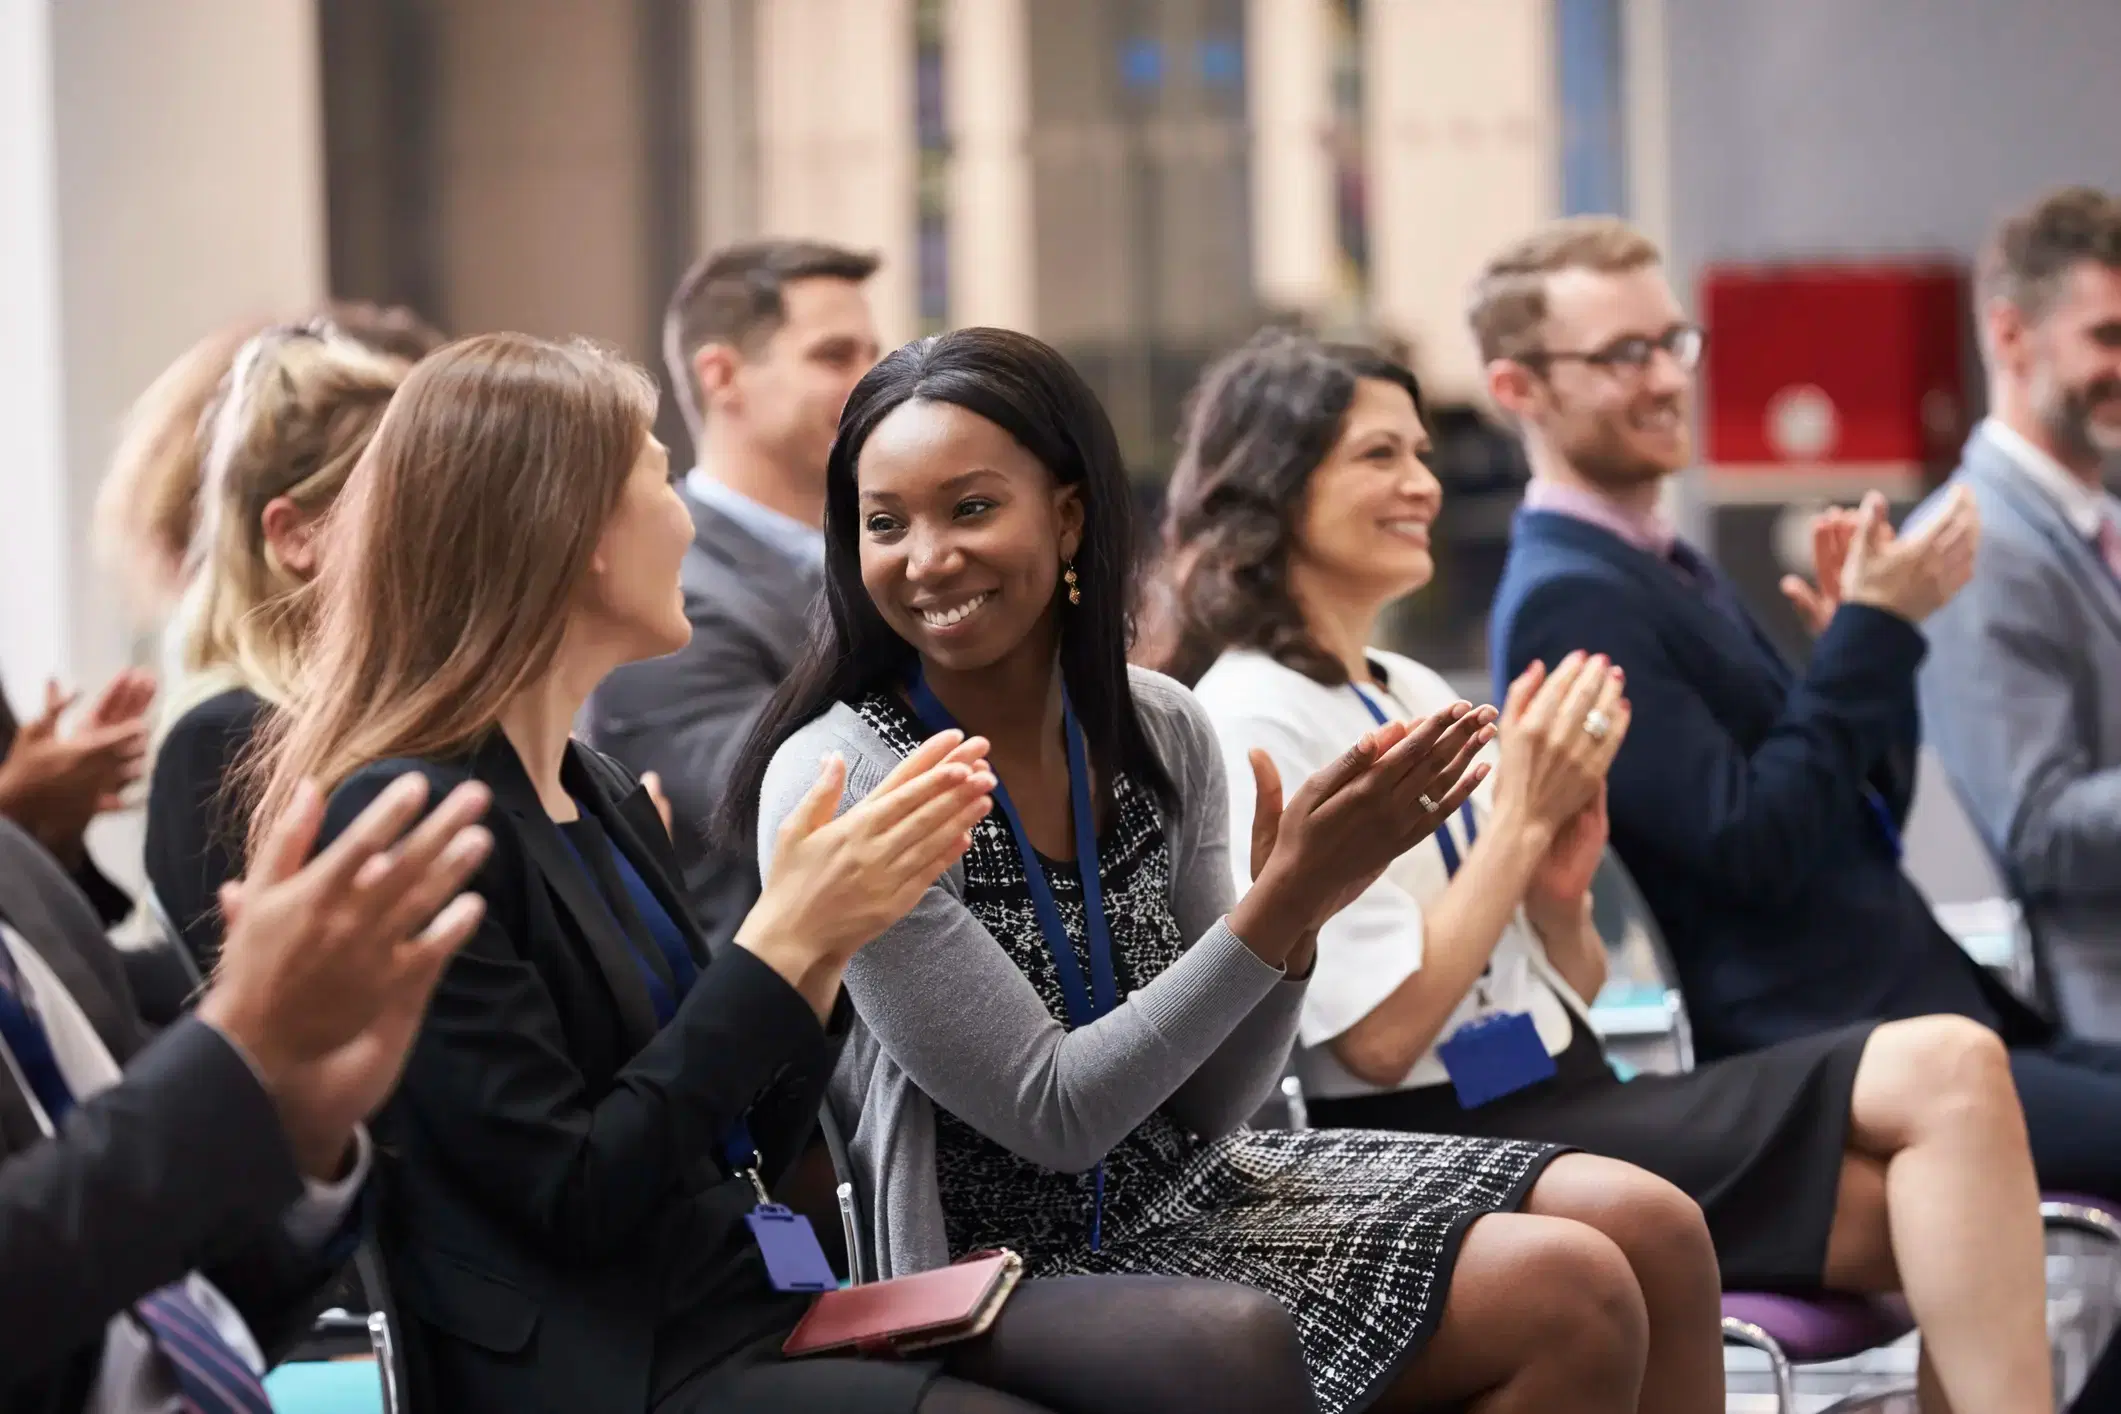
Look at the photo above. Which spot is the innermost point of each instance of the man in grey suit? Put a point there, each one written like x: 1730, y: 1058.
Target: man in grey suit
x: 764, y: 341
x: 2022, y: 687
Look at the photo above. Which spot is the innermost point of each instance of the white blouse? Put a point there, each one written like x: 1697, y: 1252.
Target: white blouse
x: 1367, y: 949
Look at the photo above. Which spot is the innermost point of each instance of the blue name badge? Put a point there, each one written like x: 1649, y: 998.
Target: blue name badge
x: 1494, y: 1056
x: 794, y: 1261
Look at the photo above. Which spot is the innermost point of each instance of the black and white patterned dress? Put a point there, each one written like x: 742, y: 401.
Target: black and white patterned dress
x: 1354, y: 1232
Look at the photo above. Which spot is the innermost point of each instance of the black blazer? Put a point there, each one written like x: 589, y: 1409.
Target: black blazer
x: 194, y: 833
x: 1738, y: 800
x: 558, y: 1225
x: 181, y: 1167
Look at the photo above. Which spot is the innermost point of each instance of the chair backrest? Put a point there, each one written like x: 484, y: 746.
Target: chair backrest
x: 1947, y: 855
x: 386, y: 1333
x: 171, y: 936
x: 1638, y: 950
x: 861, y: 1262
x: 1963, y: 875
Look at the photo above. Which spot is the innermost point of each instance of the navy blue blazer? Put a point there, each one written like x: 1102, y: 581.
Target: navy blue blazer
x: 1750, y: 800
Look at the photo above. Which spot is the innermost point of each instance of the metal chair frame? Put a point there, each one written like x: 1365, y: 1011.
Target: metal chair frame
x: 861, y: 1262
x: 377, y: 1324
x: 2055, y: 1216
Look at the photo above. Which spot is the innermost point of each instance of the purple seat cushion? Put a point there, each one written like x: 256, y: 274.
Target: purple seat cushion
x: 2085, y: 1200
x: 1833, y: 1326
x: 1829, y: 1326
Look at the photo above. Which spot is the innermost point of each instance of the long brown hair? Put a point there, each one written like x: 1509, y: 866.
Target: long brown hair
x: 1261, y: 421
x: 295, y: 414
x: 454, y: 554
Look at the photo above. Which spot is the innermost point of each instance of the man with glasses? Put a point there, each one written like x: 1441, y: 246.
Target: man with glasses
x: 1758, y: 805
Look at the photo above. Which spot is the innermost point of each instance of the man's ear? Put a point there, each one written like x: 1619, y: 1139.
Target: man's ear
x: 2004, y: 333
x: 1512, y: 386
x: 714, y: 370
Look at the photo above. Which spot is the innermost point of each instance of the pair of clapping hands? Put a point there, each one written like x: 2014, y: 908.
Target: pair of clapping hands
x: 1858, y: 559
x: 837, y: 883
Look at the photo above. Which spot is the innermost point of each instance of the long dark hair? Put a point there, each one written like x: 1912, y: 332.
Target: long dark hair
x: 1030, y: 392
x: 1259, y: 424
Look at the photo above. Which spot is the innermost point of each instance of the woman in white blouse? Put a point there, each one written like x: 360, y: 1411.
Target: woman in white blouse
x: 1453, y: 995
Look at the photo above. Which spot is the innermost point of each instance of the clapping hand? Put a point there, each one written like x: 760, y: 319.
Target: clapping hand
x: 1833, y: 531
x: 1560, y: 733
x: 1384, y: 795
x: 1914, y: 575
x: 328, y: 965
x: 835, y: 884
x: 53, y: 784
x: 1564, y: 875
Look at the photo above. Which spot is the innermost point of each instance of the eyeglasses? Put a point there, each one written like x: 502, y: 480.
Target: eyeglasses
x: 1684, y: 342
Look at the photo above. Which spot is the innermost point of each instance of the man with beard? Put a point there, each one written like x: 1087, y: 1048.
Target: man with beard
x: 1758, y: 806
x: 2018, y: 690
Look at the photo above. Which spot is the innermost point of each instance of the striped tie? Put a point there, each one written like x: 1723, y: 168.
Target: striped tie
x: 211, y: 1376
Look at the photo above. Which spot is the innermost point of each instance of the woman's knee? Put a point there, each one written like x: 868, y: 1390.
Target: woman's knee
x: 1928, y: 1070
x: 1657, y: 1227
x: 1228, y: 1316
x: 1558, y: 1289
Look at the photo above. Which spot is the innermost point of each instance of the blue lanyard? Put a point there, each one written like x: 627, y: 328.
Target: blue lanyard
x: 1084, y: 1004
x: 740, y: 1155
x: 1444, y: 843
x: 1887, y: 826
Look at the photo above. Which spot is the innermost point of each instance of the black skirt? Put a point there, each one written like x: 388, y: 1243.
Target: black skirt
x: 1757, y: 1140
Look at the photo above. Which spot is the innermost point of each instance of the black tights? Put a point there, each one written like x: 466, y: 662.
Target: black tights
x: 1128, y: 1345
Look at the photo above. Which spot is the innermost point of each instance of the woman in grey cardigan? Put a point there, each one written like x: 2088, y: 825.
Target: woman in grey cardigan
x: 1060, y: 1059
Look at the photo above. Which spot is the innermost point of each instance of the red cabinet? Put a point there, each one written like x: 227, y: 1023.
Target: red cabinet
x: 1823, y: 379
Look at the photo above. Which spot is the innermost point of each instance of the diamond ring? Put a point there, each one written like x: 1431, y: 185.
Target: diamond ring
x: 1427, y: 804
x: 1597, y: 724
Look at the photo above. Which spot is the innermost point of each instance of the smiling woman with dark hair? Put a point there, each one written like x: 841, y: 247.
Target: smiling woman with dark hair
x: 1056, y: 1050
x: 1301, y: 507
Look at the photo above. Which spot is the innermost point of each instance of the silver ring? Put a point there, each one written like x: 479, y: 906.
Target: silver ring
x: 1427, y: 804
x: 1597, y: 724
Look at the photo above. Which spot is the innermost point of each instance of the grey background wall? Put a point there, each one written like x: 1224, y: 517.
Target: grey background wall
x: 1835, y: 126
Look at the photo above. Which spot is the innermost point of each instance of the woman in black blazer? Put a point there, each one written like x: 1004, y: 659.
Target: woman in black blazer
x: 564, y: 1179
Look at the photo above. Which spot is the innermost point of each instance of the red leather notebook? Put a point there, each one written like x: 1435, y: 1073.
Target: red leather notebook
x: 906, y: 1314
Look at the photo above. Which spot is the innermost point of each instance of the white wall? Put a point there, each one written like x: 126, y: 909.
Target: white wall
x: 34, y: 544
x: 1461, y: 142
x: 189, y: 192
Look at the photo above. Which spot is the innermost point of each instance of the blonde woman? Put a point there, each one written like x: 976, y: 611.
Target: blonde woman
x: 148, y: 503
x: 295, y: 414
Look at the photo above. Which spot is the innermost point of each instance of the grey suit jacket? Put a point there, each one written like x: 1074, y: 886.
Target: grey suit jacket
x: 686, y: 716
x: 2021, y: 695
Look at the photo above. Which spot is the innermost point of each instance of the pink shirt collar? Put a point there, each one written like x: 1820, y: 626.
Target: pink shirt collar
x: 1652, y: 533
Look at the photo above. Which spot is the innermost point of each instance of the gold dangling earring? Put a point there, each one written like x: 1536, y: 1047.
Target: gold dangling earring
x: 1075, y: 594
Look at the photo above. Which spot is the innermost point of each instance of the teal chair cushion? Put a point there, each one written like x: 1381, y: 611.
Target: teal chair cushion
x: 326, y: 1387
